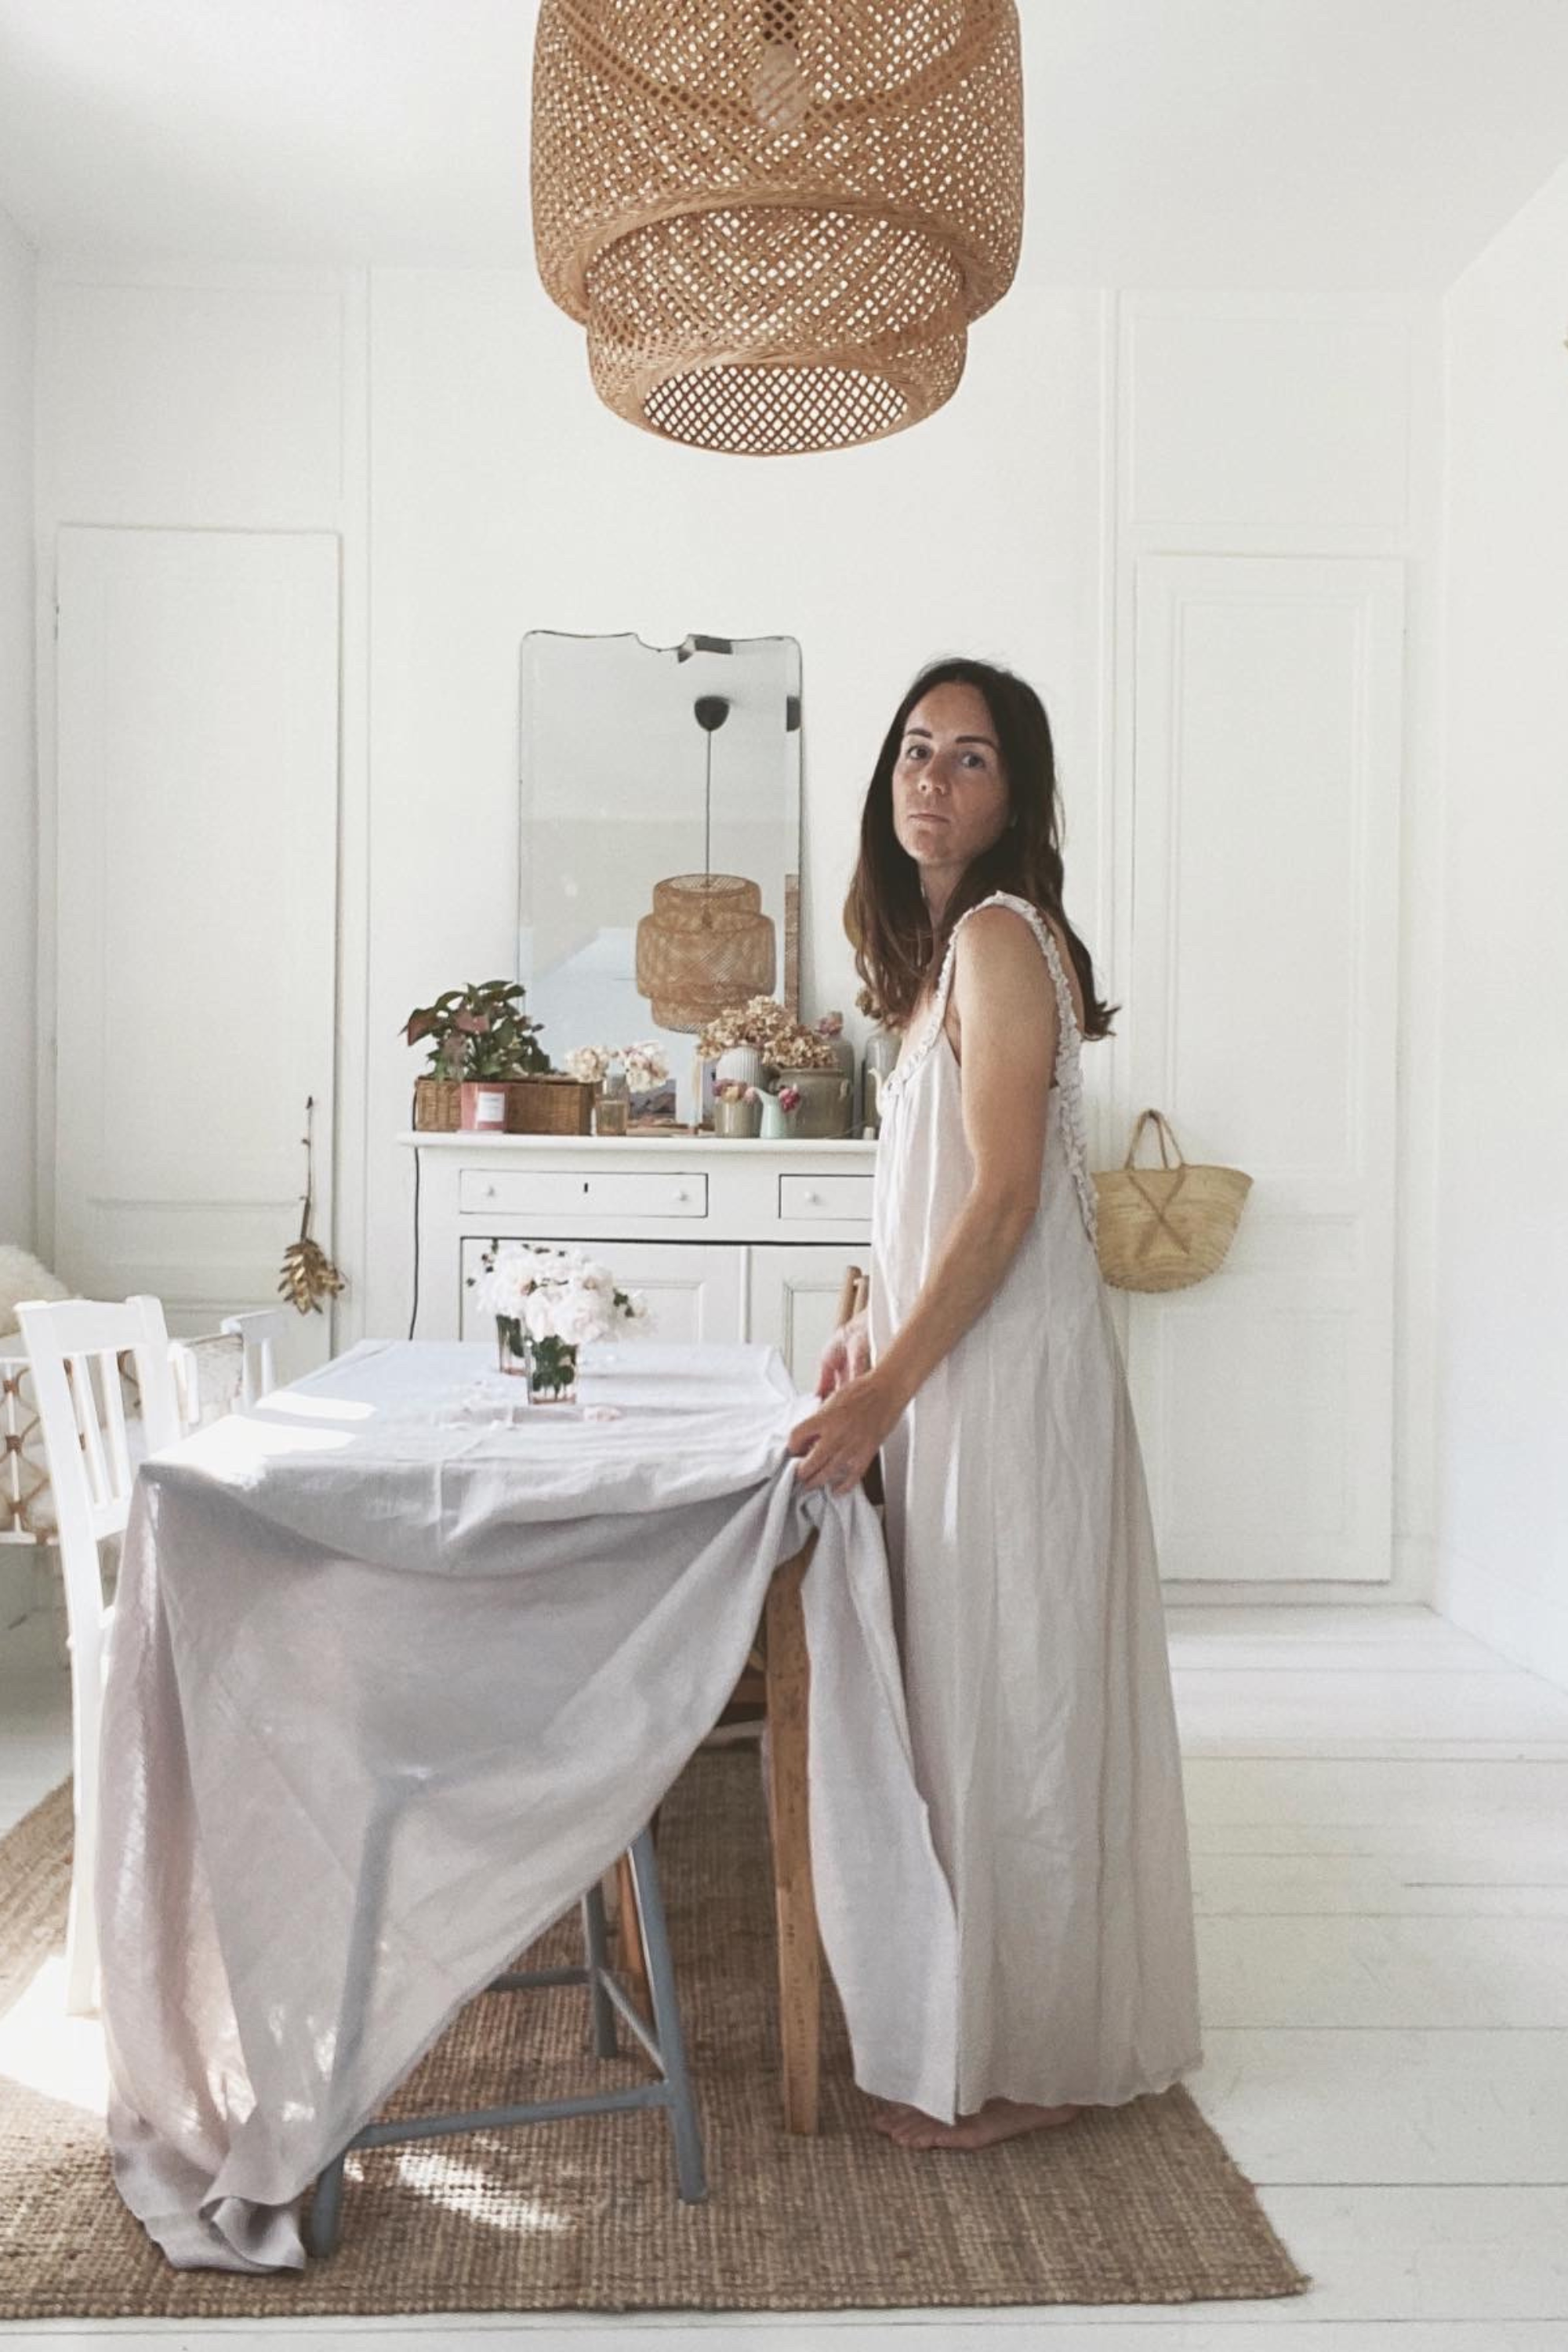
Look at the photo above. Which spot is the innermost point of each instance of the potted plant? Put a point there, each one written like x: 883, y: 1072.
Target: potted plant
x: 487, y: 1068
x: 548, y: 1303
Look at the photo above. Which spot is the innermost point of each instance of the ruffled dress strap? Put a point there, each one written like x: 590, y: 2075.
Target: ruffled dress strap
x: 1069, y: 1046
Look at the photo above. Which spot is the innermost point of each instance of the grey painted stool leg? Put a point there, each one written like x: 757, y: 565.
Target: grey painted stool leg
x: 690, y: 2176
x: 596, y: 1934
x: 665, y: 2044
x: 325, y: 2224
x: 326, y: 2205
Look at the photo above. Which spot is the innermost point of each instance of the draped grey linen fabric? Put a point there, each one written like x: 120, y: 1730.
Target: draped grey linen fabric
x: 394, y: 1610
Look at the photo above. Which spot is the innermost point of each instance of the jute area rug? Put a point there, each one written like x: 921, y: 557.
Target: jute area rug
x: 1138, y: 2204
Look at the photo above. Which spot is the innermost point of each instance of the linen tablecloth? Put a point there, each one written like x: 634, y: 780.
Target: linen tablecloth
x: 394, y: 1589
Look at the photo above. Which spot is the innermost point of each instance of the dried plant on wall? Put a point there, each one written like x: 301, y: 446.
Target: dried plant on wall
x: 309, y: 1275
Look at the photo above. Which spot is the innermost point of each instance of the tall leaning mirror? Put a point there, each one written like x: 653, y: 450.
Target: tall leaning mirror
x: 660, y: 837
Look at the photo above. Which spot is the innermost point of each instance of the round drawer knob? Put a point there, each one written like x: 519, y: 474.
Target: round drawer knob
x: 490, y: 1191
x: 813, y: 1199
x: 681, y: 1193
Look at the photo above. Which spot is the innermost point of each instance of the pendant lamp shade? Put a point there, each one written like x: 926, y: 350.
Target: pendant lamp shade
x: 776, y: 218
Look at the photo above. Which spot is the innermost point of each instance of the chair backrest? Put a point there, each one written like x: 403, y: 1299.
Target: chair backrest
x: 209, y: 1374
x: 73, y: 1350
x: 259, y: 1333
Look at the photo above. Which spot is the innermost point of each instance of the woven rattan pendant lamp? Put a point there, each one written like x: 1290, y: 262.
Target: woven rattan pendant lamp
x: 776, y: 218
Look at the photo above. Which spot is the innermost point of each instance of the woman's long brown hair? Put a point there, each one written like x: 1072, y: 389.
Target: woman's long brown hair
x: 897, y: 949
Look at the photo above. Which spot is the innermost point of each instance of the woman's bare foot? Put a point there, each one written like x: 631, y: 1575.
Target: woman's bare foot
x: 998, y: 2119
x: 886, y: 2113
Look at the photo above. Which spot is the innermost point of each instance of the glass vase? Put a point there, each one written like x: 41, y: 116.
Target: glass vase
x: 612, y: 1112
x: 551, y: 1372
x: 548, y: 1366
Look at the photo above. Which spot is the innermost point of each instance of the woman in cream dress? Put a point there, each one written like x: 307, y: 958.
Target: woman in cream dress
x: 991, y: 1379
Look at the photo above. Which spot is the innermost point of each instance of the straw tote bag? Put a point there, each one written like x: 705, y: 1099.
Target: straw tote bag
x: 1163, y: 1228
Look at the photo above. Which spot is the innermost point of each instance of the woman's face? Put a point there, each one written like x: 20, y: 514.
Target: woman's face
x: 950, y: 795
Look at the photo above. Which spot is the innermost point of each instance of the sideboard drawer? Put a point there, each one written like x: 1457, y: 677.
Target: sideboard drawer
x: 825, y: 1196
x: 562, y: 1191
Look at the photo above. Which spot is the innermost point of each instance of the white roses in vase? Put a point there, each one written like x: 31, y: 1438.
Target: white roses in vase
x: 548, y: 1303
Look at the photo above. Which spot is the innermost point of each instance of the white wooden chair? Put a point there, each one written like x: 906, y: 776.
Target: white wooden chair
x: 73, y: 1347
x: 259, y: 1333
x: 208, y: 1374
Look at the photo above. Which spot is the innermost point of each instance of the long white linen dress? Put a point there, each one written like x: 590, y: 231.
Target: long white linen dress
x: 1029, y: 1612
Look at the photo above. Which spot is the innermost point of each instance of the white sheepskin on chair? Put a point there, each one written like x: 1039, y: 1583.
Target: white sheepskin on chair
x: 22, y: 1275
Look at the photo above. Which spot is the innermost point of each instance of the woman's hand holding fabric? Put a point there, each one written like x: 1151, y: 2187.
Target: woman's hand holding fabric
x: 837, y: 1444
x: 846, y: 1355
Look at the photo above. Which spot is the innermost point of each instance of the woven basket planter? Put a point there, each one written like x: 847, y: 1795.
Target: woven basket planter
x: 777, y: 220
x: 541, y: 1106
x: 1166, y: 1228
x: 549, y: 1105
x: 437, y: 1106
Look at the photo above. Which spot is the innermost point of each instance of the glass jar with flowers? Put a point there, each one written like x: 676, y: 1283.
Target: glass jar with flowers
x: 620, y: 1073
x: 548, y: 1304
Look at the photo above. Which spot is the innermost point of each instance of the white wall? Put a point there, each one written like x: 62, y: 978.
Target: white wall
x: 19, y: 791
x: 505, y: 499
x: 1500, y: 1529
x: 441, y: 422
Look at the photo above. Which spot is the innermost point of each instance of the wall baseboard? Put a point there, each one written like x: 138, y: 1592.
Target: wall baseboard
x: 1514, y: 1619
x: 1408, y: 1585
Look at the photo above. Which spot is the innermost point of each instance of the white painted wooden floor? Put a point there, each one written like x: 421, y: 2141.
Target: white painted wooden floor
x: 1380, y: 1828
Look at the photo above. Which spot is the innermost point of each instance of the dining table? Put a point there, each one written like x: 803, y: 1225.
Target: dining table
x: 399, y: 1572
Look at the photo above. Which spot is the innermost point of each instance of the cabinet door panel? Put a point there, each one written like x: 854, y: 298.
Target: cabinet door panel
x: 792, y: 1303
x: 693, y: 1291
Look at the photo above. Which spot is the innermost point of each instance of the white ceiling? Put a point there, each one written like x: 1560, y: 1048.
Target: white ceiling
x: 1273, y: 143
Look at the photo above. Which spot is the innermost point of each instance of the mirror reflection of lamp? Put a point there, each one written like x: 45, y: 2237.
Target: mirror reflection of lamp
x: 707, y: 944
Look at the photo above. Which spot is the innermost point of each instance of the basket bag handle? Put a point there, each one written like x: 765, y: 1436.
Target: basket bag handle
x: 1162, y: 1128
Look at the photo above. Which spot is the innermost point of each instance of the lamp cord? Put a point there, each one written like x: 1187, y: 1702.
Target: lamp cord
x: 414, y: 1310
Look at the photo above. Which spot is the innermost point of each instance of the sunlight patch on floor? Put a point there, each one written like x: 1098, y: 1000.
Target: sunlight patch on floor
x: 465, y: 2188
x: 44, y: 2051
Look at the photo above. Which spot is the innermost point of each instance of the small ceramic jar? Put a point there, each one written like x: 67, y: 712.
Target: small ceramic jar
x: 737, y: 1118
x: 823, y: 1101
x: 881, y: 1054
x: 742, y: 1061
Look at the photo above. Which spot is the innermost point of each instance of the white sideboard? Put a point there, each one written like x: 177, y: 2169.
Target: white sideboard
x: 727, y: 1240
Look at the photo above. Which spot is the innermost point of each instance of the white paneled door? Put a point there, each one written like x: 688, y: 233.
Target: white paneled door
x: 196, y: 813
x: 1262, y: 1021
